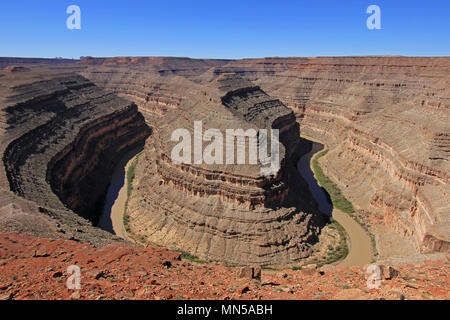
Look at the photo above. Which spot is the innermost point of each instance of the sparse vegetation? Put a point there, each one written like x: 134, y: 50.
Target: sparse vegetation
x: 337, y: 198
x: 233, y: 289
x: 334, y: 253
x: 130, y: 174
x: 191, y: 257
x: 231, y: 265
x: 342, y: 250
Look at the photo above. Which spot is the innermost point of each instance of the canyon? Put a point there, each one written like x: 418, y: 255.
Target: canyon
x: 385, y: 121
x: 61, y: 136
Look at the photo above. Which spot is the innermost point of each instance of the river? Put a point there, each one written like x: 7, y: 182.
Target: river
x: 359, y: 242
x: 112, y: 216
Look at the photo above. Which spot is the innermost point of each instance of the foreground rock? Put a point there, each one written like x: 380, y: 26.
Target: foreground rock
x: 250, y: 273
x: 119, y: 271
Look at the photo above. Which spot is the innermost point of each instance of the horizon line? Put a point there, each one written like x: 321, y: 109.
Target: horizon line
x: 229, y: 59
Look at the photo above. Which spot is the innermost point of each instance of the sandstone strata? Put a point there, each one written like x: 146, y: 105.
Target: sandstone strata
x: 231, y: 213
x: 61, y: 137
x: 385, y: 120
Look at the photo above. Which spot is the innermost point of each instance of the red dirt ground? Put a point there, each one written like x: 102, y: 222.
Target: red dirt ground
x: 35, y: 268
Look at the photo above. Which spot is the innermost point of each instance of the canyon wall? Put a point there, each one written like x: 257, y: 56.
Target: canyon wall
x: 385, y: 120
x: 61, y: 138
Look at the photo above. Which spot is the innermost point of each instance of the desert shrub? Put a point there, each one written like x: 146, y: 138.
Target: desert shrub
x: 337, y: 198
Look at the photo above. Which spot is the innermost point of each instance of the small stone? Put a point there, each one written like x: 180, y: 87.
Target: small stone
x: 257, y: 273
x: 6, y: 296
x: 6, y: 286
x: 141, y: 293
x: 411, y: 285
x: 97, y: 274
x: 243, y: 289
x: 309, y: 270
x: 388, y: 272
x: 250, y: 273
x: 178, y: 257
x: 41, y: 252
x: 246, y: 272
x: 57, y: 274
x: 75, y: 295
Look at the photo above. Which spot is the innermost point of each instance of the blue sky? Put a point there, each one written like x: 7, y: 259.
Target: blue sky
x: 224, y: 29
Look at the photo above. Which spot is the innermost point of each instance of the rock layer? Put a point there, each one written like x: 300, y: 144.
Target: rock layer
x: 61, y: 137
x: 384, y: 119
x: 225, y: 212
x: 386, y: 122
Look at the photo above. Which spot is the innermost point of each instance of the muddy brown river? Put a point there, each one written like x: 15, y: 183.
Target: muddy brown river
x: 112, y: 215
x: 359, y: 242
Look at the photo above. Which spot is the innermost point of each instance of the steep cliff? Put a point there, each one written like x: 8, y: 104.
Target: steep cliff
x: 386, y: 122
x: 61, y: 137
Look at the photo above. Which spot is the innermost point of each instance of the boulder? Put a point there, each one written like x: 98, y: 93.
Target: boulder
x: 250, y: 273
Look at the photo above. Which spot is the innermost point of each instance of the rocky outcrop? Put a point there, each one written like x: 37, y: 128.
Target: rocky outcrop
x: 385, y: 121
x: 62, y: 137
x: 230, y: 213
